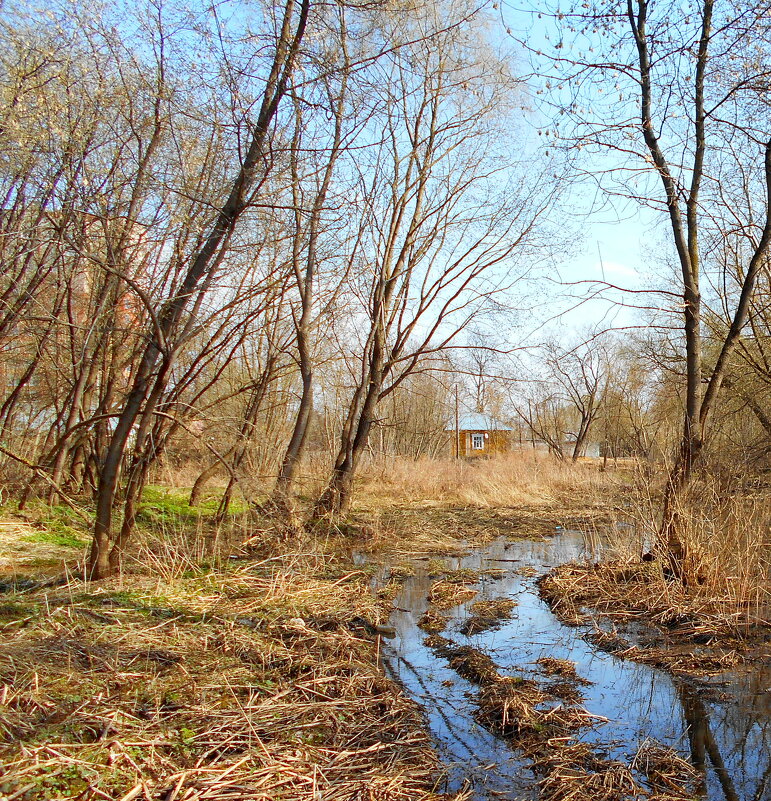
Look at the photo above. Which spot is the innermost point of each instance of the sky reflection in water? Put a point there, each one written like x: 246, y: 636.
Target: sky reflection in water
x: 730, y: 737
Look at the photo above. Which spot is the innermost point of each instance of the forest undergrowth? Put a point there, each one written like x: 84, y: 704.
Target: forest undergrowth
x: 255, y: 680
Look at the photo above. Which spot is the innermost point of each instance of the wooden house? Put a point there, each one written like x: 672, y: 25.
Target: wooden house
x: 479, y: 435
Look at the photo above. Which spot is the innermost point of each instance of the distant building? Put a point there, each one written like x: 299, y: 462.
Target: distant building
x: 480, y: 435
x: 591, y: 449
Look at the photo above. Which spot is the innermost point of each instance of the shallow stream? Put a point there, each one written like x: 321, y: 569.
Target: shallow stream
x: 727, y: 729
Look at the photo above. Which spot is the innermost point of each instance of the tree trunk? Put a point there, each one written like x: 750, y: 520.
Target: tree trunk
x: 203, y: 478
x: 671, y: 543
x: 286, y: 476
x: 335, y: 499
x: 306, y: 283
x: 206, y: 260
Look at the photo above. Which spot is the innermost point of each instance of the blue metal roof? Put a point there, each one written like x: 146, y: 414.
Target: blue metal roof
x: 478, y: 422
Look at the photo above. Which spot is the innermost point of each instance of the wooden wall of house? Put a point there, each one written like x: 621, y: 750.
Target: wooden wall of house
x: 496, y: 442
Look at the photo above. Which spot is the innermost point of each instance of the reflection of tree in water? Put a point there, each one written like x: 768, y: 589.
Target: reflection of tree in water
x: 730, y: 743
x: 748, y: 750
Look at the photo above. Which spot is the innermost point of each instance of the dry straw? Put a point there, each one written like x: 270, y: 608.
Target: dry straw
x: 256, y: 683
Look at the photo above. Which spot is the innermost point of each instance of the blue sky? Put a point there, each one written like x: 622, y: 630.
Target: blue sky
x: 613, y: 241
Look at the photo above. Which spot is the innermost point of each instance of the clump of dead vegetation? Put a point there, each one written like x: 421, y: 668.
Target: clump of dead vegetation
x: 666, y: 771
x: 692, y: 633
x: 564, y: 668
x: 259, y: 682
x: 468, y: 662
x: 486, y: 615
x: 401, y: 572
x: 544, y: 725
x: 432, y: 622
x: 567, y: 683
x: 447, y: 594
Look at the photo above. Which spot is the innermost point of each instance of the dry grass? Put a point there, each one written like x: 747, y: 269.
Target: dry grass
x: 447, y: 594
x: 563, y: 668
x: 697, y: 634
x: 259, y: 682
x: 486, y: 615
x: 460, y: 575
x: 667, y: 772
x: 724, y: 524
x: 468, y: 662
x: 705, y: 624
x: 432, y: 622
x: 520, y: 479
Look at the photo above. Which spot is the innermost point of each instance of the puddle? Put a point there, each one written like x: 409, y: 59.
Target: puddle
x: 731, y: 737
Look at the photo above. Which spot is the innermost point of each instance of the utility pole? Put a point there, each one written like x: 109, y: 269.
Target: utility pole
x: 457, y: 426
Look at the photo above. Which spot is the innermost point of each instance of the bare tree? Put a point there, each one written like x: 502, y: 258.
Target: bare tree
x: 310, y: 212
x: 169, y: 327
x: 437, y: 226
x: 697, y: 75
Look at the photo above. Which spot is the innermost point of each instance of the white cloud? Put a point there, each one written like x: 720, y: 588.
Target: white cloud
x: 614, y: 268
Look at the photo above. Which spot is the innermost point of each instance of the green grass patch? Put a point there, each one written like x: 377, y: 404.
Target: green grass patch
x: 128, y: 598
x: 59, y: 525
x: 170, y: 505
x: 61, y: 535
x: 10, y: 610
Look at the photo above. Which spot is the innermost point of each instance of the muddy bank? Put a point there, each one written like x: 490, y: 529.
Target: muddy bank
x: 721, y: 728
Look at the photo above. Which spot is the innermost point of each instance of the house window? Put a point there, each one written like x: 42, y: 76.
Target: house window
x: 477, y: 442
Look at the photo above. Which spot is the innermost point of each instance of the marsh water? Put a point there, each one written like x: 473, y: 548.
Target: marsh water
x: 726, y: 727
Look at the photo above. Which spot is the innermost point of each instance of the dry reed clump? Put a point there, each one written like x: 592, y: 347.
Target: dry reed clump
x: 564, y: 668
x: 258, y: 683
x: 666, y: 771
x: 611, y: 782
x: 445, y: 594
x: 486, y: 615
x: 401, y: 572
x: 694, y: 634
x: 724, y: 517
x: 566, y: 691
x: 432, y: 622
x: 389, y: 590
x: 468, y: 662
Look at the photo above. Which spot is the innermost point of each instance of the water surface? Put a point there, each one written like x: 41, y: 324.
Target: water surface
x: 725, y: 730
